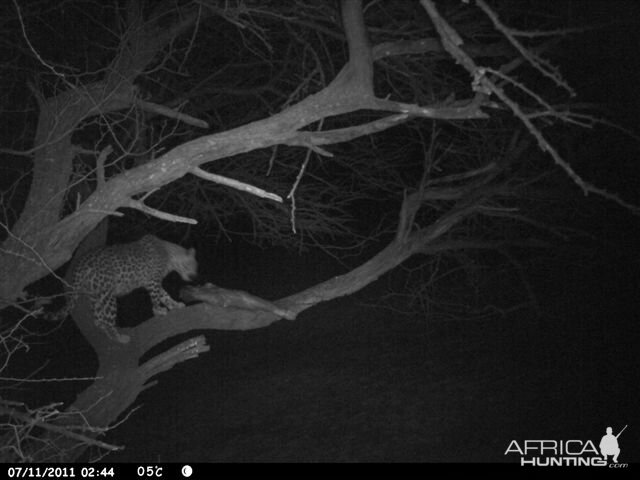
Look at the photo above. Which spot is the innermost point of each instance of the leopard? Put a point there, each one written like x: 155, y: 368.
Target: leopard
x: 113, y: 271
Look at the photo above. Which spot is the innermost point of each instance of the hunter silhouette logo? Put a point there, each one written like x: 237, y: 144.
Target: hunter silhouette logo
x: 609, y: 444
x: 573, y: 452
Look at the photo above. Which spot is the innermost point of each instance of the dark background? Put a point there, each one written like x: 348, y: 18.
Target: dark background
x: 353, y: 381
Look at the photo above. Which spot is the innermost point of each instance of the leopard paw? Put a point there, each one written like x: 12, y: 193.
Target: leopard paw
x: 159, y: 311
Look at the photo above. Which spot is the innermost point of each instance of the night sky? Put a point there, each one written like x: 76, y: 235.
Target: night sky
x: 543, y: 349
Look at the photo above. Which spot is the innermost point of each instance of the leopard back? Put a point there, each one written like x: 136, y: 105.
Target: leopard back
x: 117, y: 270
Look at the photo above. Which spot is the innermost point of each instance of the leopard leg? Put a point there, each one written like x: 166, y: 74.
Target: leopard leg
x: 105, y: 310
x: 161, y: 300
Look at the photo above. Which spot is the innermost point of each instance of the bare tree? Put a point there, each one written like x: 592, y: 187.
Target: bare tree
x: 132, y: 123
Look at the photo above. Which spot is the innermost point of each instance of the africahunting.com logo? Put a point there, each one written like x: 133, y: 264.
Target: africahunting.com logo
x: 578, y: 453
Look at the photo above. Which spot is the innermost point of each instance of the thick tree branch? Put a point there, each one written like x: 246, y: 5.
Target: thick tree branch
x: 53, y: 155
x: 360, y: 57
